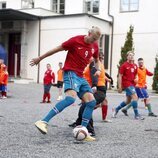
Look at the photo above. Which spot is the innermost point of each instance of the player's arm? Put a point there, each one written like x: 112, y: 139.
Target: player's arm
x: 120, y: 83
x: 149, y: 73
x: 97, y: 66
x: 35, y: 61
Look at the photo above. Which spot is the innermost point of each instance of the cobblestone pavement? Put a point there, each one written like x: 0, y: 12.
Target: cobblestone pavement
x: 123, y: 138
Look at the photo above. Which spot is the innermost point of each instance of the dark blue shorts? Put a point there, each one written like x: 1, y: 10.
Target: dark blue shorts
x: 47, y: 88
x: 3, y: 88
x: 76, y: 83
x: 142, y: 93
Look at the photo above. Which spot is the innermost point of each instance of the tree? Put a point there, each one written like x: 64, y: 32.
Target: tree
x: 155, y: 77
x: 128, y: 46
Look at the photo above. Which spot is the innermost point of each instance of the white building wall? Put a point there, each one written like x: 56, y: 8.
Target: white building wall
x: 103, y: 10
x: 14, y: 4
x: 45, y: 4
x: 53, y: 33
x: 145, y: 33
x: 74, y: 6
x: 32, y: 48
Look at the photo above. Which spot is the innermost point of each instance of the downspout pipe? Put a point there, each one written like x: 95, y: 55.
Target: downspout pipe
x: 39, y: 49
x: 112, y: 36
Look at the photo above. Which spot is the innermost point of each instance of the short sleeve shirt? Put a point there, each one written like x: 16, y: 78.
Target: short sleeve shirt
x: 129, y: 72
x: 79, y: 54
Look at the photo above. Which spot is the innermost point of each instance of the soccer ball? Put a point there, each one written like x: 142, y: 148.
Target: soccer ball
x: 80, y: 132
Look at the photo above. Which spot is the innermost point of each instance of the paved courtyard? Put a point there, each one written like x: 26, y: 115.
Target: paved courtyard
x: 123, y: 138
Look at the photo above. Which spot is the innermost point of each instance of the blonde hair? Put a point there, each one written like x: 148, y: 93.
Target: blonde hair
x: 130, y: 52
x: 95, y: 30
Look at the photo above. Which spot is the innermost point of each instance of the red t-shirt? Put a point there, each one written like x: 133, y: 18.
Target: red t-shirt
x: 129, y: 72
x: 48, y: 77
x: 79, y: 54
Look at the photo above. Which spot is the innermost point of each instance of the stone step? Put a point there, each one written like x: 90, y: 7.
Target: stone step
x: 20, y: 80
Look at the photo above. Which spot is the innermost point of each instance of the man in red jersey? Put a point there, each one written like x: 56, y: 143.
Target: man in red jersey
x: 48, y: 80
x: 126, y: 81
x: 80, y: 50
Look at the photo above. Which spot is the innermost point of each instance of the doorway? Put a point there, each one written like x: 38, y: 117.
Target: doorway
x: 14, y: 54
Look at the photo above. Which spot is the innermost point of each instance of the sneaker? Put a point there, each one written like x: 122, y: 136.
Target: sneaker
x: 48, y: 101
x: 92, y: 133
x: 114, y: 113
x: 89, y: 138
x: 125, y: 112
x: 139, y: 117
x: 152, y: 114
x: 4, y: 97
x: 43, y: 102
x: 42, y: 126
x: 59, y: 98
x: 107, y: 121
x: 73, y: 124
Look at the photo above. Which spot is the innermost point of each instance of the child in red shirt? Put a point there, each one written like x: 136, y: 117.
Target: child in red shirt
x: 3, y: 80
x: 49, y: 78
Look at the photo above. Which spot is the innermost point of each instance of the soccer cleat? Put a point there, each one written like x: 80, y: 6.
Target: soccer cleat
x: 152, y: 114
x: 92, y: 133
x: 139, y: 117
x: 146, y: 108
x: 89, y: 138
x: 43, y: 102
x: 107, y: 121
x: 42, y: 126
x: 125, y: 112
x: 59, y: 98
x: 4, y: 97
x: 114, y: 113
x: 73, y: 124
x: 48, y: 101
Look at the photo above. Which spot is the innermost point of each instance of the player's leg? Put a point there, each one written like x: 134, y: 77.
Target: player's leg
x: 71, y: 94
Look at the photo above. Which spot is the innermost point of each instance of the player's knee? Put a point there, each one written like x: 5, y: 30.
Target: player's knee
x: 91, y: 104
x: 70, y: 100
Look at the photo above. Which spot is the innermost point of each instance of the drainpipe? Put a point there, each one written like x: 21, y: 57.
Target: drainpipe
x: 39, y: 49
x: 112, y: 33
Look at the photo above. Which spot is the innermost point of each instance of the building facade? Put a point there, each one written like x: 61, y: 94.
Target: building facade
x: 32, y: 27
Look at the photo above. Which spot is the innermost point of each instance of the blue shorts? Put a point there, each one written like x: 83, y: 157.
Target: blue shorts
x: 3, y: 88
x: 76, y: 83
x: 130, y: 91
x: 142, y: 93
x: 47, y: 88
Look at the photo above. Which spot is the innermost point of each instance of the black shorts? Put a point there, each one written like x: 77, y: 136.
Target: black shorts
x: 102, y: 89
x: 60, y: 84
x: 99, y: 97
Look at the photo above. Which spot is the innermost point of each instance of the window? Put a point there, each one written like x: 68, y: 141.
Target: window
x: 3, y: 5
x: 27, y: 4
x: 58, y: 6
x: 129, y: 5
x: 92, y: 6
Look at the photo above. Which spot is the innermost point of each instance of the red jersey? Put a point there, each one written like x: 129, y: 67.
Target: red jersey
x: 4, y: 77
x: 128, y: 72
x: 79, y: 54
x: 49, y: 76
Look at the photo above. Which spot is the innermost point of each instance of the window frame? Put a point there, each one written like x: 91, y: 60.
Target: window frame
x: 129, y: 7
x: 91, y: 11
x: 30, y: 4
x: 2, y: 3
x: 104, y: 48
x: 57, y: 6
